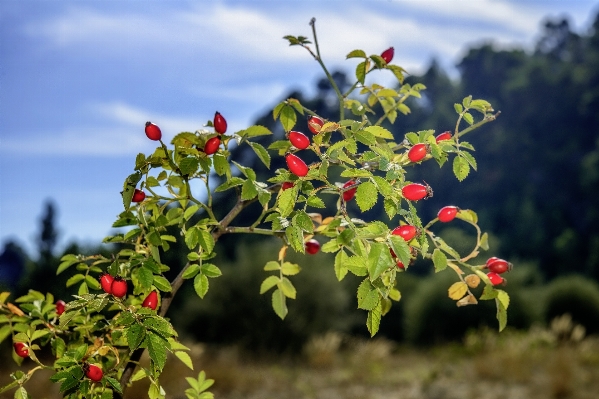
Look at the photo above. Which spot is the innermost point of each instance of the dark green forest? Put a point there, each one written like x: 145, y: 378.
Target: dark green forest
x: 536, y: 192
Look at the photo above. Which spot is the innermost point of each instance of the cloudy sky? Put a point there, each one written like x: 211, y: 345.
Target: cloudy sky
x: 78, y: 79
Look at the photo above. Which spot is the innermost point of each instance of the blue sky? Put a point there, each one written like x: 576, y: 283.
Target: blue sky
x: 78, y: 79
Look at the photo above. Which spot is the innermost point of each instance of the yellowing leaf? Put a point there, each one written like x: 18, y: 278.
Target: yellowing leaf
x: 457, y: 290
x: 472, y: 280
x: 467, y: 300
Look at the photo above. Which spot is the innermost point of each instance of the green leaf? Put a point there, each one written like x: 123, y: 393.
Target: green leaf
x: 254, y: 131
x: 504, y: 298
x: 160, y: 326
x: 357, y: 265
x: 268, y: 283
x: 383, y: 186
x: 468, y: 118
x: 373, y: 320
x: 232, y: 182
x: 66, y: 263
x: 340, y: 265
x: 401, y: 248
x: 192, y: 237
x: 361, y: 70
x: 295, y: 237
x: 188, y: 165
x: 92, y: 283
x: 356, y: 54
x: 279, y: 304
x: 290, y: 269
x: 458, y: 108
x: 114, y: 384
x: 501, y: 314
x: 248, y: 190
x: 488, y: 292
x: 261, y: 153
x: 468, y: 157
x: 184, y: 357
x: 211, y: 270
x: 145, y: 276
x: 366, y: 195
x: 5, y: 332
x: 42, y: 333
x: 286, y: 201
x: 135, y: 335
x: 75, y: 279
x: 368, y: 296
x: 379, y: 260
x: 162, y: 284
x: 206, y: 240
x: 288, y: 117
x: 156, y: 349
x: 484, y: 241
x: 460, y: 168
x: 129, y: 188
x: 221, y: 165
x: 271, y: 265
x: 379, y: 131
x: 287, y: 288
x: 200, y: 285
x: 303, y: 221
x: 439, y: 260
x: 315, y: 202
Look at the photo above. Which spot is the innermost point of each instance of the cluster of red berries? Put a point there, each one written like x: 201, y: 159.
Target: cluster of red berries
x: 113, y: 285
x: 220, y: 127
x: 407, y: 232
x: 300, y: 141
x: 496, y: 267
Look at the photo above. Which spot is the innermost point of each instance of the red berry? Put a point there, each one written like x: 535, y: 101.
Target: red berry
x: 296, y: 165
x: 21, y: 349
x: 418, y: 152
x: 153, y: 131
x: 314, y: 124
x: 60, y: 304
x: 312, y: 246
x: 299, y: 140
x: 212, y: 145
x: 106, y: 281
x: 416, y: 191
x: 447, y: 213
x: 151, y: 301
x: 93, y: 372
x: 495, y: 278
x: 407, y: 232
x: 119, y: 287
x: 443, y: 136
x: 348, y: 195
x: 498, y: 266
x: 286, y: 185
x: 388, y: 54
x: 400, y: 264
x: 138, y: 196
x: 220, y: 123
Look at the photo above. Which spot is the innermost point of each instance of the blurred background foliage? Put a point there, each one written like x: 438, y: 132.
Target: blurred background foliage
x: 535, y: 192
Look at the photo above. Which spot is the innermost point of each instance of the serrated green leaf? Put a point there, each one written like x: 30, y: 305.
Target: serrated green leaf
x: 366, y: 195
x: 261, y: 153
x: 468, y: 157
x: 341, y: 265
x: 488, y: 292
x: 303, y: 221
x: 356, y: 54
x: 129, y: 188
x: 248, y: 190
x: 206, y: 241
x: 315, y: 202
x: 383, y: 186
x: 268, y: 283
x: 135, y: 335
x: 188, y: 165
x: 504, y: 298
x: 254, y: 131
x: 439, y: 260
x: 295, y: 237
x: 373, y: 320
x: 288, y: 117
x: 279, y: 304
x: 162, y: 284
x: 185, y: 358
x: 211, y: 270
x: 290, y: 269
x: 272, y: 266
x: 501, y: 314
x: 460, y: 168
x: 200, y: 285
x: 361, y: 70
x: 368, y: 296
x: 92, y: 283
x: 75, y: 279
x: 156, y: 349
x: 145, y: 276
x: 232, y: 182
x: 379, y: 260
x: 379, y: 131
x: 287, y: 288
x: 401, y: 248
x: 286, y: 201
x: 221, y: 165
x: 458, y: 108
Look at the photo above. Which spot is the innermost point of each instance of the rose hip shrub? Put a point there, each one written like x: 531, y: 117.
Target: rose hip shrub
x: 119, y: 311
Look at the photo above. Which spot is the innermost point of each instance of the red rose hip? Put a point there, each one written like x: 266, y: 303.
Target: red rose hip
x: 299, y: 140
x: 153, y: 131
x: 314, y: 124
x: 418, y: 152
x: 60, y: 304
x: 21, y: 349
x: 151, y: 301
x: 407, y: 232
x: 93, y: 372
x: 312, y: 246
x: 106, y: 282
x: 220, y: 123
x: 138, y: 196
x: 443, y: 136
x: 388, y: 54
x: 348, y: 195
x: 119, y: 287
x: 447, y: 213
x: 495, y: 278
x: 416, y: 191
x: 212, y: 145
x: 498, y: 266
x: 296, y: 165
